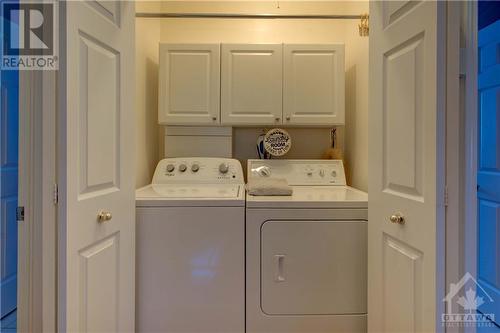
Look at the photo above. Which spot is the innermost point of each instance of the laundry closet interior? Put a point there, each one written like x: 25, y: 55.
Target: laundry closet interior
x: 308, y: 141
x: 251, y: 166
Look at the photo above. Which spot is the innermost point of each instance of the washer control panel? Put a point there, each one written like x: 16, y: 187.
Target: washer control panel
x: 198, y: 170
x: 299, y: 172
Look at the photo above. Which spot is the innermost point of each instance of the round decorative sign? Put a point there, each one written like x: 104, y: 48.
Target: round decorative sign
x: 277, y: 142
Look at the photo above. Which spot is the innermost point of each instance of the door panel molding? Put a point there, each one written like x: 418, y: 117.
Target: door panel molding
x: 100, y: 275
x: 403, y: 118
x: 403, y: 277
x: 394, y: 10
x: 99, y: 109
x: 109, y: 9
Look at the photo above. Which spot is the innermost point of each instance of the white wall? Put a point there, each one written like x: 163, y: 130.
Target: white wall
x: 309, y: 142
x: 147, y: 35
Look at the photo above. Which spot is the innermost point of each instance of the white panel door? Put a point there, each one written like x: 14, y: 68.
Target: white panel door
x: 251, y: 83
x: 189, y: 89
x: 313, y: 84
x: 97, y: 256
x: 406, y: 174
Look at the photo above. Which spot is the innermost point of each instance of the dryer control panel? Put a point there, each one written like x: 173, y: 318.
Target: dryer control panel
x: 300, y: 172
x: 198, y: 170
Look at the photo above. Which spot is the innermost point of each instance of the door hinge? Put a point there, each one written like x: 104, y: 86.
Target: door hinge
x: 462, y: 62
x: 20, y: 213
x: 55, y: 197
x: 446, y: 196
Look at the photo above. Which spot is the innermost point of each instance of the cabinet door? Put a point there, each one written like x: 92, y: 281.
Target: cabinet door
x: 251, y: 84
x: 189, y: 91
x: 313, y: 90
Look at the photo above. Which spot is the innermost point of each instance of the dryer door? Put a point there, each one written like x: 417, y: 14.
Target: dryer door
x: 313, y: 267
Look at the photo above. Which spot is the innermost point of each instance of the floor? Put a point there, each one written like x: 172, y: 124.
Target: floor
x: 9, y: 322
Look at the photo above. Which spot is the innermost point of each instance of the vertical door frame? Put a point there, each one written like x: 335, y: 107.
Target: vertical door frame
x: 454, y: 146
x: 471, y: 140
x: 461, y: 145
x: 37, y: 234
x: 461, y: 221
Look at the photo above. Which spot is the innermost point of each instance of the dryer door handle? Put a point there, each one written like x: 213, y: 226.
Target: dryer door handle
x: 279, y: 264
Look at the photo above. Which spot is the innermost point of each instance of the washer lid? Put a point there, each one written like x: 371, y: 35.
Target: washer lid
x: 190, y: 195
x: 313, y: 197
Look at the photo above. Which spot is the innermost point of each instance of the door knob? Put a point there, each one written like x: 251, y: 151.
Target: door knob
x: 103, y: 216
x: 397, y: 218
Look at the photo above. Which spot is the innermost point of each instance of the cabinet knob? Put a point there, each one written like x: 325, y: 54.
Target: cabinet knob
x: 277, y: 118
x: 288, y: 118
x: 214, y: 118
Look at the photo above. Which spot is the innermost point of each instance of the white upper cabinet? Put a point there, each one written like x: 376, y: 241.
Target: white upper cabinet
x: 313, y: 84
x: 189, y: 91
x: 251, y: 83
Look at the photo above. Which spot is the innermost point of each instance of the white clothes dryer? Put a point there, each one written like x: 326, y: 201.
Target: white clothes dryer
x: 306, y: 268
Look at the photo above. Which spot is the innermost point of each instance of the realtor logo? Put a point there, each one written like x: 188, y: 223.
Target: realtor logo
x: 29, y: 35
x: 469, y: 296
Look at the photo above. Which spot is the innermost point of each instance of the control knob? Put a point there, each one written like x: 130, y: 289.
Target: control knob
x: 264, y: 171
x: 223, y: 168
x: 182, y: 167
x: 195, y: 167
x: 170, y: 168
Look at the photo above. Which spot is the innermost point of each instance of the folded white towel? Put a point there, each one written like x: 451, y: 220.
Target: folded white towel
x: 269, y: 186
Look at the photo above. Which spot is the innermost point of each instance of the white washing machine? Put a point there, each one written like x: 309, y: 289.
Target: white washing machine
x: 190, y: 248
x: 306, y: 253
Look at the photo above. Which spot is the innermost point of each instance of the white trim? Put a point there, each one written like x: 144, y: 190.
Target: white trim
x: 470, y: 133
x: 470, y: 159
x: 442, y: 80
x: 61, y: 124
x: 25, y: 198
x: 454, y: 148
x: 37, y: 234
x: 48, y: 234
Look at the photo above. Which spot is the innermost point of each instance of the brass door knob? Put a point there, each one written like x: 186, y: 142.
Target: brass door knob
x: 397, y: 218
x: 103, y: 216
